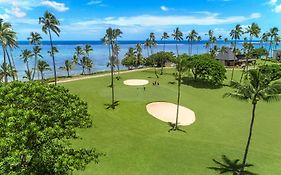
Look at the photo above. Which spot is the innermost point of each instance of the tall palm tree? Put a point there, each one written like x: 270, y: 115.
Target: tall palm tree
x: 198, y: 40
x: 264, y: 38
x: 7, y: 39
x: 138, y: 53
x: 147, y: 45
x: 88, y: 49
x: 231, y: 166
x: 26, y: 55
x: 273, y: 33
x: 153, y: 42
x: 178, y: 36
x: 110, y: 39
x: 43, y: 66
x: 235, y: 35
x: 35, y: 39
x: 191, y: 37
x: 181, y: 67
x: 68, y: 65
x: 165, y: 37
x: 260, y: 87
x: 50, y: 23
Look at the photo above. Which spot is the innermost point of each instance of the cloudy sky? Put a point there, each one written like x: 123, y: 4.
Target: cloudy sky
x: 88, y: 19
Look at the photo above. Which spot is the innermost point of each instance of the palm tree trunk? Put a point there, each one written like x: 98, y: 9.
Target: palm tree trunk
x: 232, y: 73
x: 14, y: 65
x: 53, y: 56
x: 35, y: 65
x: 249, y: 138
x: 10, y: 63
x: 5, y: 64
x: 178, y: 100
x: 67, y: 73
x: 177, y: 49
x: 42, y: 76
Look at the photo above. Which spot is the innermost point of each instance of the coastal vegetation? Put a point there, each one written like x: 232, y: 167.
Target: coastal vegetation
x: 42, y: 122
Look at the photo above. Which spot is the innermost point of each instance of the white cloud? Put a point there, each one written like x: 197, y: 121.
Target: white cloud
x: 55, y: 5
x: 149, y: 20
x: 94, y: 2
x: 17, y: 12
x: 164, y: 8
x: 277, y: 9
x: 273, y: 2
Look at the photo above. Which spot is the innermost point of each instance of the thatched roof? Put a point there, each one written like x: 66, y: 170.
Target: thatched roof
x: 226, y: 56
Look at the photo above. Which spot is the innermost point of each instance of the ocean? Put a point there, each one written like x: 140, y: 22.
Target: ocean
x: 99, y: 54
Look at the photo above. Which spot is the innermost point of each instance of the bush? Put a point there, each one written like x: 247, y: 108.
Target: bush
x: 159, y: 59
x: 205, y: 67
x: 36, y: 122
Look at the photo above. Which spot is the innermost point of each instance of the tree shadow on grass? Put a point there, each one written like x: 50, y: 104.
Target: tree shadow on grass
x: 174, y: 128
x: 199, y: 83
x: 111, y: 106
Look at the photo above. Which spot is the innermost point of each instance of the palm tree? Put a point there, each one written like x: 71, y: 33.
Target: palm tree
x: 198, y: 40
x: 7, y: 39
x: 116, y: 50
x: 110, y: 38
x: 273, y: 33
x: 68, y: 65
x: 138, y: 53
x: 50, y: 23
x: 6, y: 70
x: 153, y: 42
x: 235, y: 34
x: 177, y: 35
x: 165, y: 37
x: 89, y: 65
x: 43, y: 66
x: 26, y: 55
x: 225, y: 41
x: 147, y: 45
x: 264, y: 38
x: 229, y: 166
x: 191, y: 37
x: 35, y: 39
x: 260, y: 87
x: 181, y: 68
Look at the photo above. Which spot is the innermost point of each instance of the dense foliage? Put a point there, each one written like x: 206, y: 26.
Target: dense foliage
x: 205, y: 67
x: 272, y: 72
x: 36, y: 122
x: 159, y: 59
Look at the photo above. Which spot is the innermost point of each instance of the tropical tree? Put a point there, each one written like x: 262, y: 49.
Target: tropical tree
x: 26, y: 55
x: 50, y: 23
x: 43, y: 66
x: 35, y: 39
x: 264, y: 38
x: 165, y: 37
x: 231, y: 166
x: 68, y: 65
x: 7, y: 70
x: 146, y: 45
x: 273, y: 34
x: 7, y: 39
x: 262, y: 86
x: 235, y: 35
x: 153, y: 42
x: 138, y: 54
x: 181, y: 67
x: 191, y: 37
x: 178, y: 37
x: 110, y: 39
x: 198, y: 40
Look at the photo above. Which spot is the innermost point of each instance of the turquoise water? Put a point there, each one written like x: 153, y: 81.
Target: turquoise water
x: 99, y: 55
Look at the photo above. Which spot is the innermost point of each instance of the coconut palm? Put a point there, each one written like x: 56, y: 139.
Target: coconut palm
x: 153, y: 42
x: 178, y: 36
x: 89, y: 65
x: 6, y: 70
x: 235, y: 35
x: 35, y: 39
x: 68, y: 65
x: 198, y: 40
x: 231, y: 166
x: 110, y: 38
x: 138, y: 54
x: 7, y: 39
x: 260, y: 87
x: 165, y: 37
x: 264, y: 38
x: 147, y: 45
x: 273, y: 34
x: 50, y: 23
x: 181, y: 67
x: 26, y: 55
x: 191, y: 37
x: 43, y: 66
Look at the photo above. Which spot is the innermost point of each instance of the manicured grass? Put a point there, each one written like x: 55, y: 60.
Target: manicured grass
x: 136, y: 143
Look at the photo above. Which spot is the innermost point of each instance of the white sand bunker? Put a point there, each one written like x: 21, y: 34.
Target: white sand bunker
x: 136, y: 82
x: 167, y: 112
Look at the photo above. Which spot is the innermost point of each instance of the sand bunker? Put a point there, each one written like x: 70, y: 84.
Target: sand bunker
x: 167, y: 112
x: 136, y: 82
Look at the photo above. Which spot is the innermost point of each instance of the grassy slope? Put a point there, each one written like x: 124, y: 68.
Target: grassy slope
x: 136, y: 143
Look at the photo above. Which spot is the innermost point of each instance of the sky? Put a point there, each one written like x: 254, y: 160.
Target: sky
x: 88, y: 19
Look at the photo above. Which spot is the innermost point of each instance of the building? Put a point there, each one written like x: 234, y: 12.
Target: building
x: 228, y: 58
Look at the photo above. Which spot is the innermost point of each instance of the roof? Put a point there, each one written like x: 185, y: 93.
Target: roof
x: 226, y: 56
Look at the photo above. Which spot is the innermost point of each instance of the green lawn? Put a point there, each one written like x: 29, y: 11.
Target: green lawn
x: 136, y: 143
